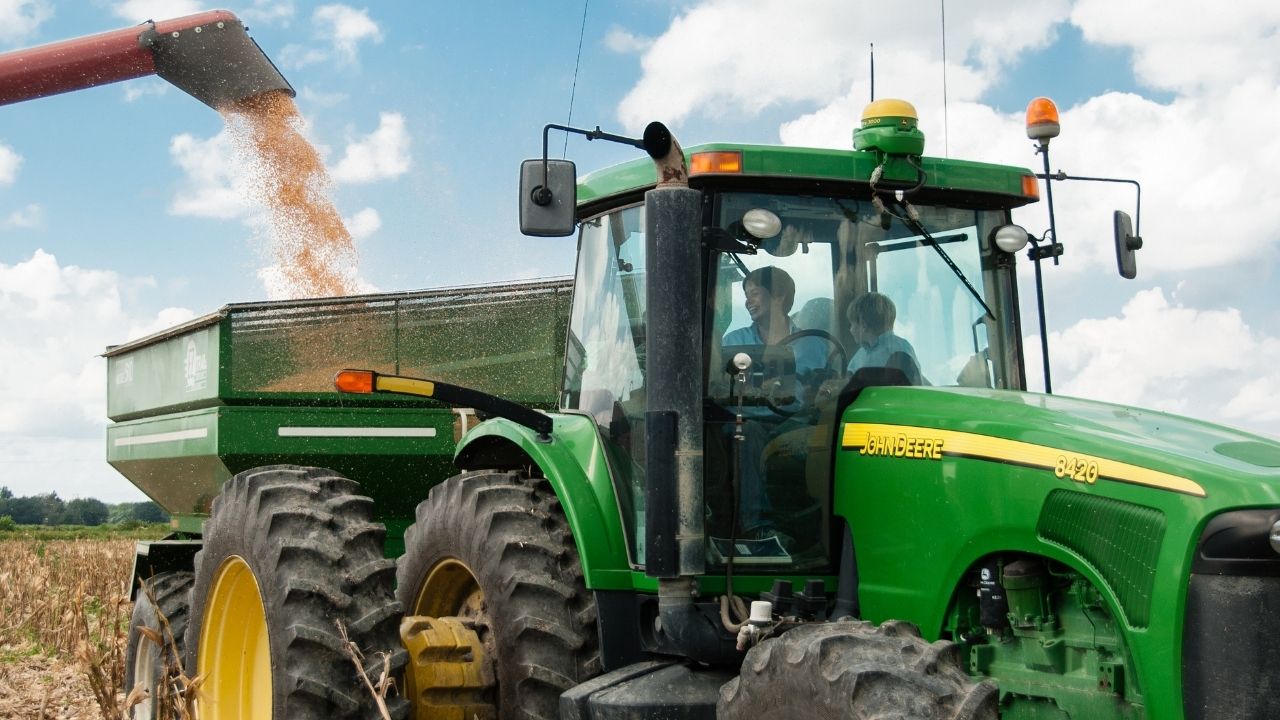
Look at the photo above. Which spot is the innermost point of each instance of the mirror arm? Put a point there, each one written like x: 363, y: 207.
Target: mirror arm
x: 1137, y: 215
x: 542, y: 195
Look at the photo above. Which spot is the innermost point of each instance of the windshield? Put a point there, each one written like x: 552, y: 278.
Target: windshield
x: 836, y: 251
x: 835, y: 286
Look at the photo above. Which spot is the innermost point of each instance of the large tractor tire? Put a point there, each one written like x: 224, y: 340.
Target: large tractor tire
x: 289, y: 554
x: 492, y: 573
x: 149, y: 663
x: 853, y: 669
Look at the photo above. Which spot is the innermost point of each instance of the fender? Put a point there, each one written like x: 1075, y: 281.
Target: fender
x: 574, y: 462
x: 173, y: 553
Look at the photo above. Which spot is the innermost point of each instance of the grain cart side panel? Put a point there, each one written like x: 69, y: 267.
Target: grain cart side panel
x: 252, y: 385
x: 174, y: 371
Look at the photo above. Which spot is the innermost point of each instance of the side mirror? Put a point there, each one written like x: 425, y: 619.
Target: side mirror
x: 548, y: 197
x: 1126, y: 245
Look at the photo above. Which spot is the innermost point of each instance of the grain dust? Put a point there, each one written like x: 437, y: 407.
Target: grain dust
x: 313, y: 248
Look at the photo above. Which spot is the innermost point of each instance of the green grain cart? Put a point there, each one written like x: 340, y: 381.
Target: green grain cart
x: 768, y: 455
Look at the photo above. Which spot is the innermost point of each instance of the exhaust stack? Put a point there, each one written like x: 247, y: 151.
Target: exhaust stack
x: 209, y: 56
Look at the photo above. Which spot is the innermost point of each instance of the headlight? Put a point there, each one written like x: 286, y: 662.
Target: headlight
x: 1240, y: 542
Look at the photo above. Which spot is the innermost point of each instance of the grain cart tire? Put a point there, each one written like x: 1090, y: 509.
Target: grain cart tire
x: 147, y: 662
x: 855, y: 670
x: 289, y: 554
x: 491, y: 556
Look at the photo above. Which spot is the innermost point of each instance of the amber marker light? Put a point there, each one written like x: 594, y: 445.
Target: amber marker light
x: 354, y: 381
x: 720, y: 161
x: 1031, y: 187
x: 1042, y: 120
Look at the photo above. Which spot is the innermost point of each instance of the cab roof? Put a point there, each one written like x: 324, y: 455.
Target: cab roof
x: 1008, y: 186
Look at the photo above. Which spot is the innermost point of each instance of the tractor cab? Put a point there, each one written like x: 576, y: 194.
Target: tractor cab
x: 807, y: 277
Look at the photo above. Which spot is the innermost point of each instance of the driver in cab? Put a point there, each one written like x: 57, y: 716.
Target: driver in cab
x: 770, y: 294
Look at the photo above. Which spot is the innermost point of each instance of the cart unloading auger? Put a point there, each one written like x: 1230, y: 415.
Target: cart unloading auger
x: 209, y: 56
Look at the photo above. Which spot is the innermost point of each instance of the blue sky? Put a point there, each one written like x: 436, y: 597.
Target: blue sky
x: 119, y: 211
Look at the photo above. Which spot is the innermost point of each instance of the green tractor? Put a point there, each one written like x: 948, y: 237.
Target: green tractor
x: 790, y: 469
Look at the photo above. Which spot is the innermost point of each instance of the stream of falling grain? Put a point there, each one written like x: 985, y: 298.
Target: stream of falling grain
x: 313, y: 250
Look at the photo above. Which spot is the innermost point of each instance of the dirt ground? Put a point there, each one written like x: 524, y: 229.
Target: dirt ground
x: 42, y: 687
x: 62, y: 606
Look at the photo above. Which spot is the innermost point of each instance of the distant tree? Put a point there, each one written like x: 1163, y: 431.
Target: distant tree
x: 5, y: 493
x: 120, y: 512
x: 85, y: 511
x: 25, y: 510
x: 52, y: 509
x: 147, y: 512
x: 150, y: 512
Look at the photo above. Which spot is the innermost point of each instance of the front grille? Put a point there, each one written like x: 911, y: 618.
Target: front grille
x: 1230, y: 654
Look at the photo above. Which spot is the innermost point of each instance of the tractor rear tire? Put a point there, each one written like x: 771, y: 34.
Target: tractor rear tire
x: 494, y: 550
x: 147, y: 662
x: 290, y: 553
x: 852, y: 669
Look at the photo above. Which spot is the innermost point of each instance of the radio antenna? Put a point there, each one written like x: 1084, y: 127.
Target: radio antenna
x: 873, y: 72
x: 576, y: 63
x: 946, y: 150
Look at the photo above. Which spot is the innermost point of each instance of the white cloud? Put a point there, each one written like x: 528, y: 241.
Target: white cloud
x: 1178, y: 46
x: 141, y: 88
x: 341, y: 29
x: 623, y: 41
x: 296, y: 57
x: 346, y: 27
x: 217, y: 183
x: 321, y: 99
x: 380, y: 155
x: 142, y: 10
x: 268, y: 11
x: 74, y: 467
x: 363, y: 224
x: 30, y: 216
x: 1208, y: 197
x: 1161, y: 354
x: 57, y: 320
x: 10, y: 161
x: 20, y: 19
x: 776, y: 56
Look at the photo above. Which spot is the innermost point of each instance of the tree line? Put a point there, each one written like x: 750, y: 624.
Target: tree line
x: 49, y: 509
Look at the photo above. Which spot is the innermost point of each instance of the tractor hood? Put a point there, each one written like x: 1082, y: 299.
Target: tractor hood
x: 1230, y: 466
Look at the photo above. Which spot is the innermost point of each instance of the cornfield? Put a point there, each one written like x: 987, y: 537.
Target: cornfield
x: 64, y: 623
x: 64, y: 614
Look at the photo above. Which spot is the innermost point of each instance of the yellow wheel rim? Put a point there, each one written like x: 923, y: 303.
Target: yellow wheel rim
x: 234, y: 655
x: 450, y: 589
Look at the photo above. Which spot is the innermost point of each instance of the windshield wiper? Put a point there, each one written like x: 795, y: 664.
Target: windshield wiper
x: 917, y: 228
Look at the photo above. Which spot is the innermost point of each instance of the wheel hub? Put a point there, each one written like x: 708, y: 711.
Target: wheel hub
x: 450, y: 674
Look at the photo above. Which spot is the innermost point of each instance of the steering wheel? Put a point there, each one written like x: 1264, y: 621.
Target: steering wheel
x: 814, y: 378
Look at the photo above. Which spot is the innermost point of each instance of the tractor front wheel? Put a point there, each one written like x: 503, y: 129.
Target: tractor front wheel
x: 499, y: 620
x: 856, y: 670
x: 291, y: 559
